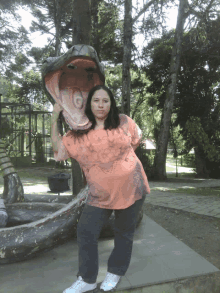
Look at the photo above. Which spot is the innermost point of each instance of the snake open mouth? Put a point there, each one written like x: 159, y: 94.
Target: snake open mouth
x: 69, y: 78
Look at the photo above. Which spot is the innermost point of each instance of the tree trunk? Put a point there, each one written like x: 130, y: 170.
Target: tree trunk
x: 201, y: 170
x: 96, y: 40
x: 81, y: 35
x: 57, y: 19
x: 81, y: 22
x: 22, y: 142
x: 161, y: 151
x: 126, y: 77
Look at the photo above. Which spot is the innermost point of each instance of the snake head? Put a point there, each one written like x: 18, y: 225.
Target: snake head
x: 69, y: 78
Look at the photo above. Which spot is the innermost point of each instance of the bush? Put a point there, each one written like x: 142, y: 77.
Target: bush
x: 214, y: 169
x: 189, y: 160
x: 147, y: 160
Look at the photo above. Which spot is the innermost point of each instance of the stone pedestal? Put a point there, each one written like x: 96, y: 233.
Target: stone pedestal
x: 3, y: 214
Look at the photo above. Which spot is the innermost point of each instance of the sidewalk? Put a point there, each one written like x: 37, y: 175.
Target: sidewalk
x: 203, y: 205
x: 159, y: 260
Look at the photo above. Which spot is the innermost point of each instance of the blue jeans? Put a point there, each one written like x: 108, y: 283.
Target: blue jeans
x: 88, y: 230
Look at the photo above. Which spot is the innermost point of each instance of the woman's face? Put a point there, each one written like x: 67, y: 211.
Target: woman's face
x: 100, y: 104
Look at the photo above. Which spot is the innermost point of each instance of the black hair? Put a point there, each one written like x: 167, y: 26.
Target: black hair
x: 112, y: 121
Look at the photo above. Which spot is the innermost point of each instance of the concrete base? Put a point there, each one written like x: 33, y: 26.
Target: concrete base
x: 201, y: 284
x: 160, y: 263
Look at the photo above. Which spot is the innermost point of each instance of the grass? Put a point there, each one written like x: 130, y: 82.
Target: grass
x: 36, y: 176
x: 204, y: 191
x: 37, y: 173
x: 181, y: 175
x: 28, y: 175
x: 171, y: 160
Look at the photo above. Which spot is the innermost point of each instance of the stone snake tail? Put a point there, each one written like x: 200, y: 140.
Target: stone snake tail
x: 13, y: 188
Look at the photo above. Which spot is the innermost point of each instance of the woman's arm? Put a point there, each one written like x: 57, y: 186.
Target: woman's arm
x: 55, y: 136
x: 136, y: 133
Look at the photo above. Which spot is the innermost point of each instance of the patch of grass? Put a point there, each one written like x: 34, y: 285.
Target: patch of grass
x: 29, y: 175
x: 181, y: 175
x: 187, y: 161
x: 170, y: 169
x: 23, y: 174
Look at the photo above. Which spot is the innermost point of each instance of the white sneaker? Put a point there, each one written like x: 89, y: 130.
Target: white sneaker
x: 110, y: 282
x: 80, y: 286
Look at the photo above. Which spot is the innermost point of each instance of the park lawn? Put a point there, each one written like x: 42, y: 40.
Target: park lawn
x: 28, y: 175
x: 170, y: 169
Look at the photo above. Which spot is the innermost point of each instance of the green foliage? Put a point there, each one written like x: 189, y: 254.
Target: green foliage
x: 147, y: 160
x: 188, y: 160
x: 13, y: 42
x: 4, y: 86
x: 5, y: 127
x: 110, y: 30
x: 45, y: 13
x: 41, y: 54
x: 197, y: 93
x: 106, y: 37
x: 30, y: 90
x: 39, y: 148
x: 196, y: 133
x: 158, y: 56
x: 113, y: 79
x: 21, y: 62
x: 142, y: 110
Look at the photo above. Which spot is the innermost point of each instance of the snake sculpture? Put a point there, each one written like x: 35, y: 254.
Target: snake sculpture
x: 13, y: 188
x: 67, y: 80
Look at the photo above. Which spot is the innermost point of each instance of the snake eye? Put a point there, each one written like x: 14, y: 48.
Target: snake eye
x: 71, y: 66
x: 90, y: 69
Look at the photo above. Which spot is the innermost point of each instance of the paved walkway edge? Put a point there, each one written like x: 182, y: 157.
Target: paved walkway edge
x: 199, y: 284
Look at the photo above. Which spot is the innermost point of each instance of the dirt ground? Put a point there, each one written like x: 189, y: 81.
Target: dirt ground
x: 201, y: 233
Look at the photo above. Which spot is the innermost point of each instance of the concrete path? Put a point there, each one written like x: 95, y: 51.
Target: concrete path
x: 160, y: 262
x: 208, y: 206
x: 158, y: 258
x: 203, y: 205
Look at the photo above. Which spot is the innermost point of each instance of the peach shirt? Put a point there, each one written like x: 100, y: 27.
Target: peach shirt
x: 115, y: 175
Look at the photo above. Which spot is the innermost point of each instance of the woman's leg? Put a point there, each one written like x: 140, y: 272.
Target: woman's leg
x: 125, y: 224
x: 89, y: 228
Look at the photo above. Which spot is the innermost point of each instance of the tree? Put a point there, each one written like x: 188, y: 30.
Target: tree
x: 185, y: 10
x: 127, y: 48
x: 126, y: 80
x: 83, y: 33
x: 14, y: 41
x: 81, y: 22
x: 54, y: 18
x: 104, y: 24
x: 199, y: 91
x: 161, y: 150
x: 107, y: 31
x: 196, y: 109
x: 28, y: 89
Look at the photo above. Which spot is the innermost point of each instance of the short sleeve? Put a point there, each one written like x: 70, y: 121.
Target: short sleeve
x: 136, y: 133
x: 62, y: 153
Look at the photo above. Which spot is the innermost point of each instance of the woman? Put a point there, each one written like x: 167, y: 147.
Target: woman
x: 116, y: 181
